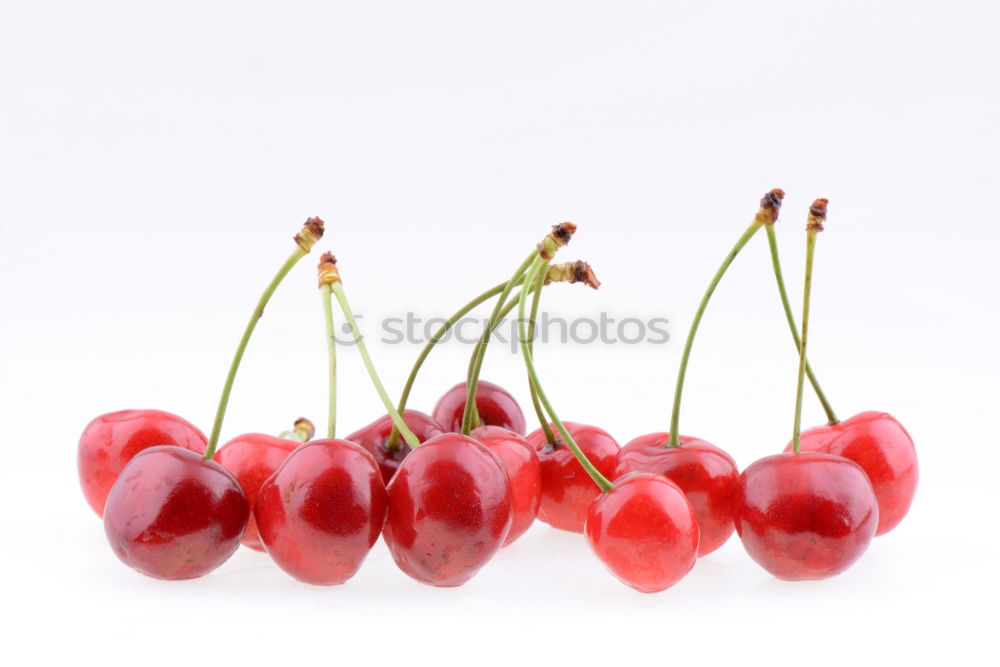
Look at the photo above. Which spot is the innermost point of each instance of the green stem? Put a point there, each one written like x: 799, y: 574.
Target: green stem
x: 331, y: 347
x: 810, y: 251
x: 408, y: 436
x: 772, y: 242
x: 393, y: 443
x: 682, y: 371
x: 220, y: 413
x: 536, y: 299
x: 594, y: 473
x: 470, y: 418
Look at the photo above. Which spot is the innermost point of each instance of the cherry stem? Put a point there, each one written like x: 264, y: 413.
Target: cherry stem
x: 772, y: 242
x: 338, y: 291
x: 599, y: 479
x: 302, y: 431
x: 470, y: 416
x: 767, y: 213
x: 392, y: 444
x: 817, y: 216
x: 536, y: 299
x: 311, y: 232
x: 331, y: 347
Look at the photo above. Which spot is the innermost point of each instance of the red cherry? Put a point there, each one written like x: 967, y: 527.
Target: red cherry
x: 495, y: 404
x: 523, y: 472
x: 110, y: 441
x: 707, y: 475
x: 884, y: 450
x: 375, y: 436
x: 252, y: 458
x: 567, y: 489
x: 805, y: 516
x: 645, y: 531
x: 322, y: 511
x: 172, y: 514
x: 449, y: 510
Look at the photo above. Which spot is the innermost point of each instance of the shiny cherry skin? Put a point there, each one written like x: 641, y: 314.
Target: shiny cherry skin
x: 805, y: 516
x: 495, y: 404
x: 884, y: 450
x: 174, y: 515
x: 523, y: 472
x: 567, y: 489
x: 252, y: 458
x: 449, y: 510
x: 645, y: 531
x: 707, y: 475
x: 375, y: 436
x: 320, y: 513
x: 111, y: 440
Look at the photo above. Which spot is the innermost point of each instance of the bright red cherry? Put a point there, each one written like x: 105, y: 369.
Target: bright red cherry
x: 523, y: 471
x: 375, y: 436
x: 172, y: 514
x: 252, y: 458
x: 322, y: 511
x: 110, y: 441
x: 645, y: 531
x: 707, y: 475
x: 884, y: 450
x: 449, y: 510
x: 567, y: 489
x: 495, y: 404
x: 805, y: 516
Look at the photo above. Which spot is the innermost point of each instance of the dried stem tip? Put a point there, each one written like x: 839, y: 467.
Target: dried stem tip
x: 817, y: 214
x: 327, y: 270
x: 305, y: 428
x: 311, y: 232
x: 770, y: 204
x: 572, y: 272
x: 557, y: 238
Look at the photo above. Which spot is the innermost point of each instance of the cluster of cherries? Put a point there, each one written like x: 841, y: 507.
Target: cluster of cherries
x: 446, y: 491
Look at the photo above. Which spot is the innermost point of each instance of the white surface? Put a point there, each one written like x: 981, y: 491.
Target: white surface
x: 155, y: 161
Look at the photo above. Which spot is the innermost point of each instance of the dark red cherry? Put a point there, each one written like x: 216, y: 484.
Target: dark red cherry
x: 523, y: 472
x: 375, y: 436
x: 805, y: 516
x: 252, y: 458
x: 645, y: 531
x: 495, y: 404
x: 322, y: 511
x: 567, y: 489
x: 174, y: 515
x: 449, y: 510
x: 884, y: 450
x: 707, y: 475
x: 110, y: 441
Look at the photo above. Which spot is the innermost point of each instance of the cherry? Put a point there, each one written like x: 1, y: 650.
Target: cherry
x: 884, y: 450
x: 645, y: 531
x: 173, y: 514
x: 805, y: 516
x: 523, y: 472
x: 449, y: 510
x: 111, y: 440
x: 496, y: 407
x: 707, y: 475
x: 567, y: 489
x: 320, y: 513
x: 252, y: 458
x: 375, y: 438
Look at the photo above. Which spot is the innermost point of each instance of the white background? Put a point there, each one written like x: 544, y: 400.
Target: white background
x: 154, y: 161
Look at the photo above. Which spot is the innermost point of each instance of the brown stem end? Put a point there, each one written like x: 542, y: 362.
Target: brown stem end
x: 817, y: 214
x: 304, y: 428
x: 327, y: 271
x: 572, y: 272
x: 557, y: 238
x: 770, y: 205
x: 311, y: 232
